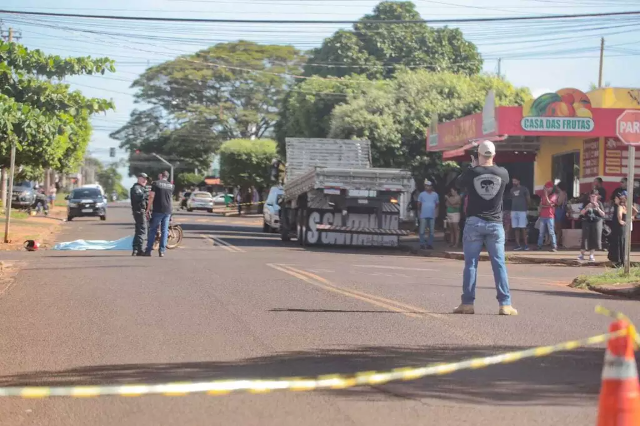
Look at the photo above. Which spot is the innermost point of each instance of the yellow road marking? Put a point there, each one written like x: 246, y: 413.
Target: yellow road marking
x: 223, y: 244
x: 363, y: 294
x: 391, y: 305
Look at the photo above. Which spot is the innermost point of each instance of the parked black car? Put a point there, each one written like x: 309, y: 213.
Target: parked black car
x: 24, y: 195
x: 86, y: 202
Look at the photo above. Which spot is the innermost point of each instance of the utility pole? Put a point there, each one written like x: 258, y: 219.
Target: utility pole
x: 601, y: 62
x: 499, y: 67
x: 165, y: 162
x: 12, y: 170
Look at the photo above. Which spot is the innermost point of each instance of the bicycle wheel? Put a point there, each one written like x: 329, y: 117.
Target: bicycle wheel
x: 175, y: 236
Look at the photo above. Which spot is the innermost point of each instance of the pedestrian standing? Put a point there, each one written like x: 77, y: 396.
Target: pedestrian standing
x: 485, y: 183
x: 520, y: 201
x: 239, y: 201
x: 428, y: 203
x: 548, y: 202
x: 591, y: 214
x: 160, y: 199
x: 618, y: 236
x: 561, y: 210
x: 138, y: 196
x: 53, y: 192
x: 454, y: 204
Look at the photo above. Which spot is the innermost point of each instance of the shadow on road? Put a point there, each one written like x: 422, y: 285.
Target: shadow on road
x: 563, y: 379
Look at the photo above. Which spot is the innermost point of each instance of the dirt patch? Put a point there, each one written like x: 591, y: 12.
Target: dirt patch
x: 40, y: 228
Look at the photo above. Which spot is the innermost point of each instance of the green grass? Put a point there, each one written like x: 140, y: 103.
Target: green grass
x: 14, y: 214
x: 610, y: 277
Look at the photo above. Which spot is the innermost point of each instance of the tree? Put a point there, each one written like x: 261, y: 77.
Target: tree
x: 394, y: 116
x: 379, y: 50
x: 306, y: 110
x: 230, y: 90
x: 246, y: 163
x: 48, y: 123
x: 187, y: 180
x: 111, y: 180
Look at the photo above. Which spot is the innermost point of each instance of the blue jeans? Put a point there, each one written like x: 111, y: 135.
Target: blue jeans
x: 424, y: 223
x: 162, y: 220
x: 477, y: 233
x: 547, y: 223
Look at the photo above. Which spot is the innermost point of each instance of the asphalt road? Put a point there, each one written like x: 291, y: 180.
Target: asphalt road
x: 233, y: 302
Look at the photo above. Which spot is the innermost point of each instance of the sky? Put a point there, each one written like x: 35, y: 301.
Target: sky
x: 542, y: 56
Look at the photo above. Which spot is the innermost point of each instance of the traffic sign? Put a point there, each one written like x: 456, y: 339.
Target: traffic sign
x: 628, y: 127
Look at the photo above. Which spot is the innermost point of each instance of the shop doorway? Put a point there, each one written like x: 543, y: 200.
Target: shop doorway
x: 566, y: 168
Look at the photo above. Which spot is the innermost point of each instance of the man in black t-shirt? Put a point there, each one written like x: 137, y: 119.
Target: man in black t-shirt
x: 160, y: 199
x: 485, y: 183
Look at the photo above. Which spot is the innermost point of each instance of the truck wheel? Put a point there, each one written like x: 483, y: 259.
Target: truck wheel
x: 103, y: 217
x: 266, y: 228
x: 69, y: 218
x: 210, y: 210
x: 189, y: 210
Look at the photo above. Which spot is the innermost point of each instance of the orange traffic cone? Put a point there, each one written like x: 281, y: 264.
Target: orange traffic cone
x: 620, y: 391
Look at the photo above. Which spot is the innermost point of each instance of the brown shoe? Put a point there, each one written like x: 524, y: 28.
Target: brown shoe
x: 507, y: 310
x: 464, y: 309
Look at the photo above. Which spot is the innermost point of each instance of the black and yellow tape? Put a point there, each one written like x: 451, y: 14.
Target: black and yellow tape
x: 336, y: 381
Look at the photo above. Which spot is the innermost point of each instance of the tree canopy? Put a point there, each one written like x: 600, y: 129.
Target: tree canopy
x: 246, y: 163
x: 379, y: 50
x: 231, y: 90
x: 49, y: 124
x: 394, y: 115
x: 111, y: 180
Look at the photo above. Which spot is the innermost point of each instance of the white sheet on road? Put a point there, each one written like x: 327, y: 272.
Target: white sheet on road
x: 122, y: 244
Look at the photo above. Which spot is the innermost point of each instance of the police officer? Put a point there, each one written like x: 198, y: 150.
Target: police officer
x: 138, y: 195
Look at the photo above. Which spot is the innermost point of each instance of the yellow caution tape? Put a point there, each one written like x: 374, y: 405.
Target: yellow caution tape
x: 335, y: 381
x: 620, y: 316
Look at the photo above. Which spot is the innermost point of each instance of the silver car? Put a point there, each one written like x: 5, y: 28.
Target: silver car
x: 200, y: 201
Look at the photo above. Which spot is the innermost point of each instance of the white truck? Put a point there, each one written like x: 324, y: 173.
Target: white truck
x: 332, y: 195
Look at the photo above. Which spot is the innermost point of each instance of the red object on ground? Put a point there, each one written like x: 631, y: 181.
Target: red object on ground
x: 620, y: 391
x: 31, y: 245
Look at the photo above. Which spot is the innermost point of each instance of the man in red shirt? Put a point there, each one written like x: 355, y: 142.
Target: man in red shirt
x: 548, y: 202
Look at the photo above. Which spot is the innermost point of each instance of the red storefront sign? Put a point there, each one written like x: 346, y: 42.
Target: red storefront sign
x: 458, y: 133
x: 590, y: 157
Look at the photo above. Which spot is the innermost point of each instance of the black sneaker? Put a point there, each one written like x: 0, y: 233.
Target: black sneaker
x: 146, y: 254
x: 429, y: 247
x: 161, y: 254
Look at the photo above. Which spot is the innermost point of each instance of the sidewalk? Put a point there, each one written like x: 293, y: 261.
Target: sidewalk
x: 561, y: 257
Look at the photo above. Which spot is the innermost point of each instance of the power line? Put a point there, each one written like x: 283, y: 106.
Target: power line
x: 281, y: 21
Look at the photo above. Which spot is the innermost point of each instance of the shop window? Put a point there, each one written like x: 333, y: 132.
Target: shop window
x: 566, y: 168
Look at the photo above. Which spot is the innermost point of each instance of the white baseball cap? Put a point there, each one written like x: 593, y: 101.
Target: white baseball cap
x: 487, y: 149
x: 427, y: 182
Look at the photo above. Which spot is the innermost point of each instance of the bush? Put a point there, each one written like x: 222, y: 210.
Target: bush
x: 246, y: 163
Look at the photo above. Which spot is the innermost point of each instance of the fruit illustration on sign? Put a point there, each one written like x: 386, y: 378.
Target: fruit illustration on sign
x: 563, y: 103
x: 567, y: 110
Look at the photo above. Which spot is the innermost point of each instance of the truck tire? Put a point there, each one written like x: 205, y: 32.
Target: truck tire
x: 266, y: 228
x: 302, y: 227
x: 284, y: 225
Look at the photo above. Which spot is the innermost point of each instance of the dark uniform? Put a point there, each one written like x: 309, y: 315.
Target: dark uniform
x: 138, y: 195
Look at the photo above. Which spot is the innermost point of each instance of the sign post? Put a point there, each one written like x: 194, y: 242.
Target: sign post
x: 628, y: 131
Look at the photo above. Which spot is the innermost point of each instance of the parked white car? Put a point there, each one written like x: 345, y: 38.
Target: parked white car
x: 200, y: 201
x: 271, y: 211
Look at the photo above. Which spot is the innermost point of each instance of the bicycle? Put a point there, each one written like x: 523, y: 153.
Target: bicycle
x: 174, y: 238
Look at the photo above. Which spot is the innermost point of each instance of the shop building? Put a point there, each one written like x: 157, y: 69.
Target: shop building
x: 567, y: 136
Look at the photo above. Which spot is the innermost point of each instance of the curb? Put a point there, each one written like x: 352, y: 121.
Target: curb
x: 527, y: 260
x: 625, y: 292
